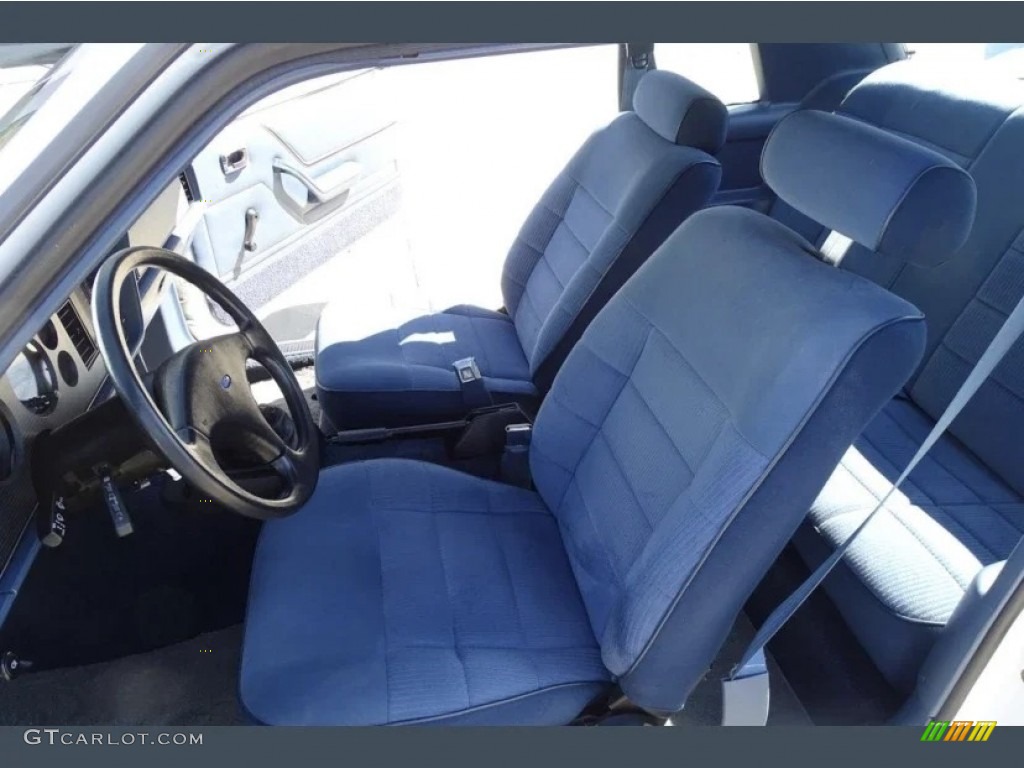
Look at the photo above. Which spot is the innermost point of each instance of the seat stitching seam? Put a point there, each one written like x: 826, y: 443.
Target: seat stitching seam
x: 867, y: 441
x: 481, y: 347
x: 489, y: 705
x: 383, y: 602
x: 894, y: 514
x: 573, y: 477
x: 979, y: 501
x: 931, y: 503
x: 991, y: 137
x: 978, y: 297
x: 515, y: 600
x: 654, y: 328
x: 532, y: 307
x: 451, y: 604
x: 938, y: 560
x: 494, y: 647
x: 934, y: 457
x: 572, y: 233
x: 988, y: 276
x: 580, y: 185
x: 612, y: 567
x: 509, y: 512
x: 544, y: 260
x: 625, y: 477
x: 662, y: 427
x: 770, y: 463
x: 625, y: 380
x: 966, y: 531
x: 993, y: 378
x: 969, y: 456
x: 540, y: 451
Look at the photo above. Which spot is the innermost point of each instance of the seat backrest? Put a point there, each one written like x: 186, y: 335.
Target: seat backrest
x: 704, y: 408
x: 973, y: 115
x: 625, y: 190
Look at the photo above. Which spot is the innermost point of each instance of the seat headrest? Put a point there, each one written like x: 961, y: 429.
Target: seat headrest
x: 885, y: 192
x: 681, y: 111
x: 953, y: 107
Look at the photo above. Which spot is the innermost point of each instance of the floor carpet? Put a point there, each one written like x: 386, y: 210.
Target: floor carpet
x: 189, y: 683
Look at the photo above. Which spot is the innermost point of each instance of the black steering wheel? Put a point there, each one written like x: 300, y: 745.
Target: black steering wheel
x: 200, y: 402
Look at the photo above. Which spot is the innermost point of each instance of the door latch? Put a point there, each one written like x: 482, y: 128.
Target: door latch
x: 252, y: 218
x: 233, y: 162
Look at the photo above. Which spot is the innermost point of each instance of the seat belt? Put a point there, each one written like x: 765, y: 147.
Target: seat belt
x: 751, y: 665
x: 637, y: 61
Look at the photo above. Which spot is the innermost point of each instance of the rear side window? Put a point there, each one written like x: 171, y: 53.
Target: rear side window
x: 725, y: 69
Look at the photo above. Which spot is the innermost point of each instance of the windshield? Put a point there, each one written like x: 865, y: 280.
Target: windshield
x: 50, y: 84
x: 24, y: 79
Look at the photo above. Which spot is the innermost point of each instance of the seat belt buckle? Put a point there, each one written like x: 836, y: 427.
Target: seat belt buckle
x: 471, y: 381
x: 468, y: 370
x: 515, y: 461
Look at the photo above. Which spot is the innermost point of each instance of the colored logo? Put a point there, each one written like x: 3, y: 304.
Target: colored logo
x: 958, y: 730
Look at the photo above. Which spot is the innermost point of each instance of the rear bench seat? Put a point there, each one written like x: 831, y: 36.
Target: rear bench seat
x: 963, y: 507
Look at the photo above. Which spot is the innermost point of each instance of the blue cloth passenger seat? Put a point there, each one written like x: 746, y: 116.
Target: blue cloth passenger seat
x: 676, y: 453
x: 963, y: 507
x: 625, y: 190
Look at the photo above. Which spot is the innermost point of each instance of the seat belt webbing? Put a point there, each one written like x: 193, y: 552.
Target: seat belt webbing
x: 638, y: 61
x: 1011, y: 330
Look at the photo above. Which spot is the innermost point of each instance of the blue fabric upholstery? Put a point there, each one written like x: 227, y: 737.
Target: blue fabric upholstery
x: 609, y: 191
x: 918, y: 204
x: 898, y: 586
x: 405, y: 592
x: 395, y: 376
x: 681, y: 111
x: 915, y: 561
x: 408, y: 592
x: 677, y: 451
x: 616, y: 201
x: 646, y: 477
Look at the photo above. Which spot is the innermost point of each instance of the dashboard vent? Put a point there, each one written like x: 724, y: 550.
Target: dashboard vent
x: 189, y: 195
x: 76, y: 332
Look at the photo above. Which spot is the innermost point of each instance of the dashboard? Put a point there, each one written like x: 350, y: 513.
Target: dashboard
x: 57, y: 377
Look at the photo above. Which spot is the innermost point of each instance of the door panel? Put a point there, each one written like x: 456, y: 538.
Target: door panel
x: 291, y: 170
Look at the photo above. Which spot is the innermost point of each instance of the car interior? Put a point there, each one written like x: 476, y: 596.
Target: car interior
x: 725, y: 330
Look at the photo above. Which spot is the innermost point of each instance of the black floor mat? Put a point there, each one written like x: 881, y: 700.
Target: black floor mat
x: 184, y: 571
x: 190, y: 683
x: 825, y: 665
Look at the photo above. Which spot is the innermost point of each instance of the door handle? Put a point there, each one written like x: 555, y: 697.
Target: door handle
x: 350, y: 172
x: 233, y: 162
x: 252, y: 218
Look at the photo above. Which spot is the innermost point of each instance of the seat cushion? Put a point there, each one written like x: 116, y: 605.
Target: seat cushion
x: 408, y: 592
x: 913, y: 563
x: 404, y: 375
